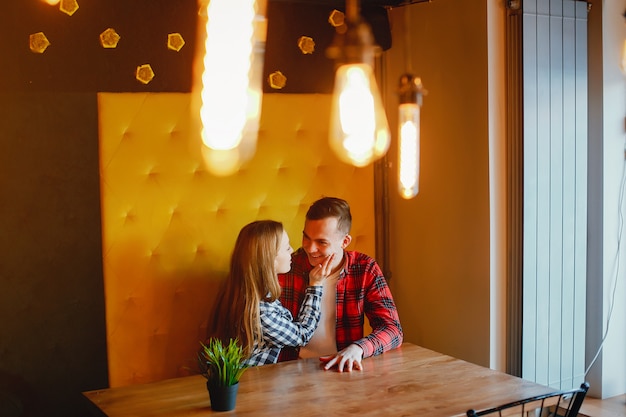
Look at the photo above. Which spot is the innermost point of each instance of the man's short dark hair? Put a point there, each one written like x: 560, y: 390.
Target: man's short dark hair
x: 332, y: 207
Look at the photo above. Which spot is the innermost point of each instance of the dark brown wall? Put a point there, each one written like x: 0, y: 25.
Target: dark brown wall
x: 52, y: 321
x: 52, y: 338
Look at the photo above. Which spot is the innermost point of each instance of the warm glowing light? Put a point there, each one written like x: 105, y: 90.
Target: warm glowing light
x: 409, y: 149
x: 221, y: 162
x: 359, y: 133
x: 232, y: 78
x: 52, y: 2
x: 410, y: 93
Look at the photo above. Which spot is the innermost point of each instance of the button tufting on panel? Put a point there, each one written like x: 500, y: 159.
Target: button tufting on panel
x: 152, y: 175
x: 200, y: 251
x: 176, y: 135
x: 198, y: 171
x: 129, y: 217
x: 174, y: 213
x: 221, y: 212
x: 262, y: 212
x: 131, y: 301
x: 169, y: 225
x: 301, y: 134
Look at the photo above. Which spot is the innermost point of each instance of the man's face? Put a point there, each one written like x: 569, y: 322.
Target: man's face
x: 321, y: 238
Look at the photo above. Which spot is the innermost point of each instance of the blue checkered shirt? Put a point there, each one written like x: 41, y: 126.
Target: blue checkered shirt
x: 279, y: 328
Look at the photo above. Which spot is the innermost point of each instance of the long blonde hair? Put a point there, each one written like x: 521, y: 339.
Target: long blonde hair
x: 252, y: 278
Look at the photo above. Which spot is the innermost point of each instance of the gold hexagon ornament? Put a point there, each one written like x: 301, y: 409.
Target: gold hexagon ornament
x: 277, y: 80
x: 38, y: 42
x: 306, y: 45
x: 144, y: 73
x: 68, y: 7
x: 175, y: 41
x: 336, y: 18
x: 109, y: 38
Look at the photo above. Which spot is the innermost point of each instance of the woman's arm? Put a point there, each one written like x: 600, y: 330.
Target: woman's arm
x: 277, y: 324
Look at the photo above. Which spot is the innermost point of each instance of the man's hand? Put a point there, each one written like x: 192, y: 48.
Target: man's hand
x: 348, y: 358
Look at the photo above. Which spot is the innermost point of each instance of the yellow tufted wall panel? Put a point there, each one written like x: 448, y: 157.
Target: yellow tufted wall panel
x: 169, y: 226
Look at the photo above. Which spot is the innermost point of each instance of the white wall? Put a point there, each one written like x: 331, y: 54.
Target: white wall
x: 607, y: 253
x: 614, y: 277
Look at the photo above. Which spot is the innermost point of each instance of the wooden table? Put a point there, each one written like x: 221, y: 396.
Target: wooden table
x: 409, y: 381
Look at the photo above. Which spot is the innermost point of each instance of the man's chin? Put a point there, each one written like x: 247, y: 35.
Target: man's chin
x: 314, y: 261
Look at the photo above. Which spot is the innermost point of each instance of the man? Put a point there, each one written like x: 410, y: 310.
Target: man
x: 354, y: 288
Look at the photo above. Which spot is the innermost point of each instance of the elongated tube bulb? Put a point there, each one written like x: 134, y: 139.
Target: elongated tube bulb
x: 408, y: 149
x: 410, y: 93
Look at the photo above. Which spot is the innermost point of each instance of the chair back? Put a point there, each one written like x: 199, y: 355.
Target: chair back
x: 555, y: 404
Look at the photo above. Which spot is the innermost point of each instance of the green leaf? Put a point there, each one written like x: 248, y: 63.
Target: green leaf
x: 222, y: 365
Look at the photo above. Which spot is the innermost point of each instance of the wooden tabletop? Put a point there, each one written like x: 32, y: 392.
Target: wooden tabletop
x: 408, y: 381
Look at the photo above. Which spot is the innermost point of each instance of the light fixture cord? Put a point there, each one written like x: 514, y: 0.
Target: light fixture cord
x: 352, y: 10
x: 408, y: 62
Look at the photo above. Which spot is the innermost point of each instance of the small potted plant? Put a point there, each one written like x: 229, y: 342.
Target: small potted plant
x: 222, y: 366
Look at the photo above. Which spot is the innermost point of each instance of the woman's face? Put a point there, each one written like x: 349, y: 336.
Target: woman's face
x: 282, y: 263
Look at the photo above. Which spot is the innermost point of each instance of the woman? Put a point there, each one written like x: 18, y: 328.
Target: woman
x: 248, y: 308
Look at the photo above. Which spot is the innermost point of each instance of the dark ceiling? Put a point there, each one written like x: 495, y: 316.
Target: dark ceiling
x: 75, y: 61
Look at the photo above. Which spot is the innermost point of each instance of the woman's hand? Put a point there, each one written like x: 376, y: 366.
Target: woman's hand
x: 320, y: 272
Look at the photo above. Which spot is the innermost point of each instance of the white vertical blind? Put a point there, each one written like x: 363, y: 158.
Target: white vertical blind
x: 555, y: 184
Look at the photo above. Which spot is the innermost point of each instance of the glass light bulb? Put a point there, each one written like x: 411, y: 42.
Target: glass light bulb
x: 232, y: 78
x: 408, y: 149
x: 359, y: 133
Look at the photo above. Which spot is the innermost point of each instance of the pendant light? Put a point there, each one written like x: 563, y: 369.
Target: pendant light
x: 359, y: 133
x: 232, y: 77
x: 410, y: 94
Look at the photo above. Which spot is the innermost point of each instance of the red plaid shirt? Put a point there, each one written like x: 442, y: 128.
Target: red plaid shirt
x: 361, y: 290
